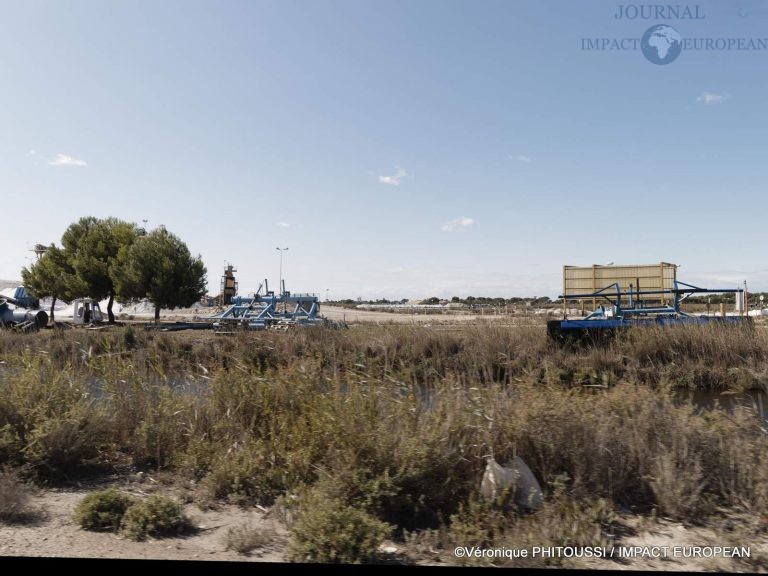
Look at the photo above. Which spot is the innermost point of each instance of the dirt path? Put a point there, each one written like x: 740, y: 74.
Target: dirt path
x: 371, y: 316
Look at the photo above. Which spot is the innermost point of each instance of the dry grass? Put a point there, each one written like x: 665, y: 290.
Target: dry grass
x: 395, y: 422
x: 246, y: 538
x: 15, y: 496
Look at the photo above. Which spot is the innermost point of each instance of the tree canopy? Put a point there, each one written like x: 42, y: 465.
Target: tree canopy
x: 159, y: 267
x: 91, y: 246
x: 52, y: 276
x: 111, y: 258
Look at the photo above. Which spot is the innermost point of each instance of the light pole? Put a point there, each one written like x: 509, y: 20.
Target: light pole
x: 280, y: 279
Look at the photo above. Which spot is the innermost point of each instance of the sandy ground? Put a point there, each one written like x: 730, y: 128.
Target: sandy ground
x: 53, y: 534
x: 354, y: 316
x: 669, y: 546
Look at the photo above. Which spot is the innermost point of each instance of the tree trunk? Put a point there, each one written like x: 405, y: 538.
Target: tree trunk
x: 53, y: 320
x: 157, y: 314
x: 109, y: 309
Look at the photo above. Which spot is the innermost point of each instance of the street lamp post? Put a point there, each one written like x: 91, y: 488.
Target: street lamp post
x: 280, y: 279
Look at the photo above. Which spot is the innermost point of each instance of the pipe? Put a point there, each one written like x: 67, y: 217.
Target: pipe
x: 19, y: 315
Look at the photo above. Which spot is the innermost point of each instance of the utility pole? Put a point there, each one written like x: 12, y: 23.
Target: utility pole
x: 280, y: 279
x: 39, y: 250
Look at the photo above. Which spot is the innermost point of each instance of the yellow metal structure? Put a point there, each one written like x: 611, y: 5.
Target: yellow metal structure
x: 581, y: 279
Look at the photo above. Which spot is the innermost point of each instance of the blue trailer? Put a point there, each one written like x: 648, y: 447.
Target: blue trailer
x: 270, y: 310
x: 624, y: 309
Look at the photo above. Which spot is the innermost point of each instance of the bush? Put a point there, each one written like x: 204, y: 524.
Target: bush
x: 129, y: 338
x: 245, y: 538
x: 564, y: 520
x: 59, y: 449
x: 479, y: 523
x: 10, y: 444
x: 103, y: 510
x: 14, y: 497
x: 156, y: 516
x: 678, y: 485
x: 243, y: 477
x: 328, y: 530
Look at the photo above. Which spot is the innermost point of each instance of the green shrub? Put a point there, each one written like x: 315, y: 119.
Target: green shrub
x: 328, y: 530
x: 245, y: 475
x: 103, y: 510
x: 129, y: 338
x: 156, y: 516
x: 478, y: 523
x: 10, y: 445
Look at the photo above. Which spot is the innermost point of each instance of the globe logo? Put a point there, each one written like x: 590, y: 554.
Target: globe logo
x: 661, y: 44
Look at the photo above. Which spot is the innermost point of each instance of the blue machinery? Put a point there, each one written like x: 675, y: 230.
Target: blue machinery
x: 24, y: 317
x: 270, y: 310
x: 629, y: 308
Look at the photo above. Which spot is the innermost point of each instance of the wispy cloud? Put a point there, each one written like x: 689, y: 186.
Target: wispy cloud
x: 457, y: 224
x: 395, y: 179
x: 64, y: 160
x: 283, y: 224
x: 394, y: 270
x: 522, y: 158
x: 31, y: 152
x: 709, y: 98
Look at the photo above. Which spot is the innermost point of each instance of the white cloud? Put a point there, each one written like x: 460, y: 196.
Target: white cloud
x: 64, y: 160
x: 283, y: 224
x: 31, y: 152
x: 523, y: 158
x: 454, y: 225
x: 394, y: 270
x: 394, y: 180
x: 711, y: 98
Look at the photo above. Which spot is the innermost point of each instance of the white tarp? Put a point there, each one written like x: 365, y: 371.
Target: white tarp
x: 8, y: 292
x: 517, y: 477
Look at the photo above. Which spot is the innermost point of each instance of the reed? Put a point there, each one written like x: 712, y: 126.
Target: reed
x: 395, y: 421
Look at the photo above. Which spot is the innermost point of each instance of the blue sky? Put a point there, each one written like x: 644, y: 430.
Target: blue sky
x: 398, y: 148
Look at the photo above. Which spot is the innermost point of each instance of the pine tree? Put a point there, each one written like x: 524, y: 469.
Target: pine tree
x: 91, y: 246
x: 159, y: 267
x: 52, y: 276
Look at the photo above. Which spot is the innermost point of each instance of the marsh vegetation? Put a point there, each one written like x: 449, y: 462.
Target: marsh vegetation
x: 388, y: 428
